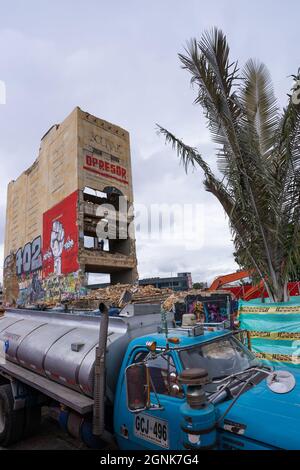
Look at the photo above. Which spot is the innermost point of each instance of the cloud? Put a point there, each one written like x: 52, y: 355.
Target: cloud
x: 2, y: 224
x: 160, y: 179
x: 120, y: 63
x: 1, y: 261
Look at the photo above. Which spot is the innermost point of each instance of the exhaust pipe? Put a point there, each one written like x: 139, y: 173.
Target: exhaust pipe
x: 99, y: 384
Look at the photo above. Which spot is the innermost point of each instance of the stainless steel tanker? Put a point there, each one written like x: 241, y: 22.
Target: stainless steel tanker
x: 61, y: 346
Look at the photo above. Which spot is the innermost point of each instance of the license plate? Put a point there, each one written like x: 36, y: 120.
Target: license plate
x: 152, y: 429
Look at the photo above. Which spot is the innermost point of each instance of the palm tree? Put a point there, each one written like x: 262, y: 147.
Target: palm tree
x: 258, y: 154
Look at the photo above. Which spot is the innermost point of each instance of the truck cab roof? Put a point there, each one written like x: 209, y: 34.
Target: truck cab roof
x: 185, y: 340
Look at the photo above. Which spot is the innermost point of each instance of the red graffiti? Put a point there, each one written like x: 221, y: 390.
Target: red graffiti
x: 105, y: 168
x: 60, y: 238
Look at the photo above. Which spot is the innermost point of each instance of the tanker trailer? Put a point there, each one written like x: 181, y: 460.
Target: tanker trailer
x: 138, y: 383
x: 49, y: 358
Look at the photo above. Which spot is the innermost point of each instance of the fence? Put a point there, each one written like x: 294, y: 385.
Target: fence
x: 274, y: 330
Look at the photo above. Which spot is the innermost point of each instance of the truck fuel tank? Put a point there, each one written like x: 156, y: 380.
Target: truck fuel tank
x: 62, y: 346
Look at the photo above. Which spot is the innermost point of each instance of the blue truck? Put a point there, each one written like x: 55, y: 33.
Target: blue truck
x: 141, y: 383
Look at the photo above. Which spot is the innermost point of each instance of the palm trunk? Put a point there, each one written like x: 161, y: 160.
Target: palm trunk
x: 286, y: 294
x: 281, y: 293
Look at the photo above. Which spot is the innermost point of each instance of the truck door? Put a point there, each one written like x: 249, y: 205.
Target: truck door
x: 160, y: 428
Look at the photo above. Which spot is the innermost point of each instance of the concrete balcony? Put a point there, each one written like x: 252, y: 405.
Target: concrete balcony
x: 90, y: 209
x: 103, y: 261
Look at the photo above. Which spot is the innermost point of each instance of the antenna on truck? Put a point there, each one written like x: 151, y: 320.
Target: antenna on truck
x: 164, y: 323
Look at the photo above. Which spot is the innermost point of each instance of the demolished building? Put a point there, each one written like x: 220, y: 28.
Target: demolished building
x: 55, y: 207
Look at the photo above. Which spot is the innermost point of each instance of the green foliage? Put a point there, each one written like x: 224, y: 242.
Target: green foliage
x: 258, y: 155
x: 199, y: 285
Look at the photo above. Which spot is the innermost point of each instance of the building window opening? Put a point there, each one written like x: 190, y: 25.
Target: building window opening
x: 97, y: 280
x: 102, y: 244
x: 94, y: 192
x: 88, y: 242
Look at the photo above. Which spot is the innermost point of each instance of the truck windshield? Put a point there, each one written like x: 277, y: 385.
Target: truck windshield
x: 220, y: 358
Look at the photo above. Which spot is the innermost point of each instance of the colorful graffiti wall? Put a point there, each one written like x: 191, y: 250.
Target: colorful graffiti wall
x: 215, y: 308
x: 47, y: 268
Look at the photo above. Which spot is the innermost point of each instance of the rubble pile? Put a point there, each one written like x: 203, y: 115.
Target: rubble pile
x: 121, y: 294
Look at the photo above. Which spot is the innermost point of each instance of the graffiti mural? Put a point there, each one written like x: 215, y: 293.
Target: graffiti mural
x: 53, y: 289
x: 214, y: 308
x: 31, y: 289
x: 46, y: 270
x: 64, y: 288
x: 29, y: 258
x: 11, y: 284
x: 60, y: 238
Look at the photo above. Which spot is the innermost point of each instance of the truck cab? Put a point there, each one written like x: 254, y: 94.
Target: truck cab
x: 203, y: 391
x: 194, y: 387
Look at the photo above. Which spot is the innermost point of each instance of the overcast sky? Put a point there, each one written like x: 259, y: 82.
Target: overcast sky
x: 118, y: 60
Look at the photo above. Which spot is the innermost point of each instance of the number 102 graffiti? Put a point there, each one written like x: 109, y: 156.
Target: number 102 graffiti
x: 29, y: 258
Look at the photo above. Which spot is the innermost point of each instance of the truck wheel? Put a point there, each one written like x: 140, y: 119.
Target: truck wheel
x: 33, y: 417
x: 11, y: 421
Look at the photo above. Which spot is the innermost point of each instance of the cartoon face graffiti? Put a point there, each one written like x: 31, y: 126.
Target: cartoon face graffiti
x: 57, y: 244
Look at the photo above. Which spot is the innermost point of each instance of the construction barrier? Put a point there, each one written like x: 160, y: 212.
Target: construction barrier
x: 274, y: 330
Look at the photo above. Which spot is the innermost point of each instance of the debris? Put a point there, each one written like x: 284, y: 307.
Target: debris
x: 119, y: 295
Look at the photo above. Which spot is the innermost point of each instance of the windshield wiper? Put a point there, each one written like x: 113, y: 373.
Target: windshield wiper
x: 224, y: 390
x: 221, y: 378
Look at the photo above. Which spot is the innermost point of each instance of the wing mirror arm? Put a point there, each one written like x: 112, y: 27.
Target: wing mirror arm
x: 139, y: 384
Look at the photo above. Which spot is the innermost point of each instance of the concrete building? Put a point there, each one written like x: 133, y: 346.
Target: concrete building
x: 55, y: 209
x: 183, y: 281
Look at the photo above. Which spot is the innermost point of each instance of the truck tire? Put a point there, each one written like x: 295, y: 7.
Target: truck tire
x: 33, y: 417
x: 11, y: 421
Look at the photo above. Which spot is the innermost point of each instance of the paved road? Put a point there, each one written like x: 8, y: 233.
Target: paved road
x: 50, y: 437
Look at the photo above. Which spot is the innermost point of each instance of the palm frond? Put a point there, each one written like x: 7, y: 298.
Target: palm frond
x: 258, y: 155
x: 260, y: 105
x: 189, y: 155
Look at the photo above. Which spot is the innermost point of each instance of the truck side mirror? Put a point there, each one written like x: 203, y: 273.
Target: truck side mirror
x: 138, y: 387
x: 281, y: 381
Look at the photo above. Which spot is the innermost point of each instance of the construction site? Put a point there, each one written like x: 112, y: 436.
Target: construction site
x: 65, y: 340
x: 134, y: 316
x: 53, y: 208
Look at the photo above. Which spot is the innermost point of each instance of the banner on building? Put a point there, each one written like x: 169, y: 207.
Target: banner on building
x: 60, y: 238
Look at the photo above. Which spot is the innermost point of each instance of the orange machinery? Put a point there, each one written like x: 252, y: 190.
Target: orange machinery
x: 249, y: 292
x: 226, y: 278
